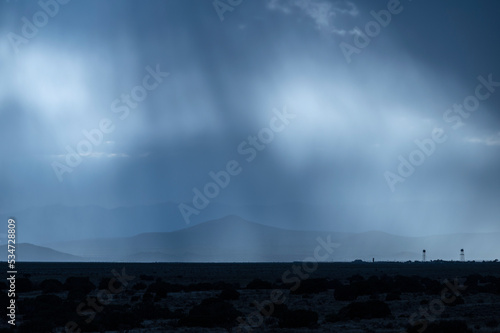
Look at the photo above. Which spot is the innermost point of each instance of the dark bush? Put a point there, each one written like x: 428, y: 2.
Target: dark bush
x: 355, y: 278
x: 220, y: 285
x: 407, y: 284
x: 51, y: 286
x: 472, y: 282
x: 393, y: 297
x: 149, y: 310
x: 259, y: 284
x: 334, y: 284
x: 490, y: 288
x: 76, y: 295
x: 4, y: 300
x: 311, y: 286
x: 345, y: 293
x: 147, y: 297
x: 118, y: 318
x: 361, y: 310
x: 36, y: 325
x: 279, y: 309
x: 363, y: 288
x: 164, y: 287
x: 372, y: 285
x: 81, y: 284
x: 159, y: 288
x: 48, y: 300
x: 458, y: 301
x: 204, y: 286
x: 43, y: 313
x: 104, y: 283
x: 229, y: 294
x: 452, y: 326
x: 23, y: 285
x: 298, y: 318
x: 386, y: 284
x: 146, y: 277
x: 212, y: 312
x: 139, y: 286
x: 432, y: 287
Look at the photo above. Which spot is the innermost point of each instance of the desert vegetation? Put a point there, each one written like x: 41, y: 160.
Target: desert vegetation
x: 155, y: 301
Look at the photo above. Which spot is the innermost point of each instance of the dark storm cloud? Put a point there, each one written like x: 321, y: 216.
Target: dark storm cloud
x: 353, y: 120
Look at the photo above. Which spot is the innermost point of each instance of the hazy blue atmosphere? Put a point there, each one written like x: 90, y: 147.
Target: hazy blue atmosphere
x: 114, y: 114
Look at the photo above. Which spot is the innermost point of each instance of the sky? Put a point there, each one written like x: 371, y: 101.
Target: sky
x: 312, y: 102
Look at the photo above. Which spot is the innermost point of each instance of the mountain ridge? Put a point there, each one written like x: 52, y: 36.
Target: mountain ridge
x: 232, y: 238
x: 31, y: 252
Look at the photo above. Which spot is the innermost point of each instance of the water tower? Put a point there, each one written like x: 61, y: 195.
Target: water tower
x: 462, y: 255
x: 423, y: 255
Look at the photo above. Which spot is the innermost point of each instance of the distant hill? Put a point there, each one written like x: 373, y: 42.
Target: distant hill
x: 228, y: 239
x: 30, y: 252
x: 85, y: 222
x: 233, y: 239
x: 59, y: 223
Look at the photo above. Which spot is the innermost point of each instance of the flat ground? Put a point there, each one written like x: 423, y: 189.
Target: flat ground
x: 335, y: 297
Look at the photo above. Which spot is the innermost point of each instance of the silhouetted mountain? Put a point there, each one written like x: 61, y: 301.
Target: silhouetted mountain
x: 58, y: 223
x: 30, y: 252
x: 235, y: 239
x: 61, y: 223
x: 227, y: 239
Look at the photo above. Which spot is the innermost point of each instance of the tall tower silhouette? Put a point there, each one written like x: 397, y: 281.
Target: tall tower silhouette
x: 423, y: 255
x: 462, y: 255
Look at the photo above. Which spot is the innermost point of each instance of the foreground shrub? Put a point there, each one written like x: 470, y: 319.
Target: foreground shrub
x: 259, y: 284
x: 145, y: 277
x: 408, y: 284
x: 117, y: 318
x: 204, y: 286
x: 159, y: 288
x: 212, y: 312
x: 149, y: 310
x: 51, y: 286
x: 139, y: 286
x: 279, y: 309
x: 345, y: 293
x: 23, y: 285
x: 229, y: 294
x: 298, y: 318
x: 78, y: 283
x: 361, y: 310
x: 393, y: 297
x: 458, y: 301
x: 312, y: 286
x: 452, y: 326
x: 43, y: 313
